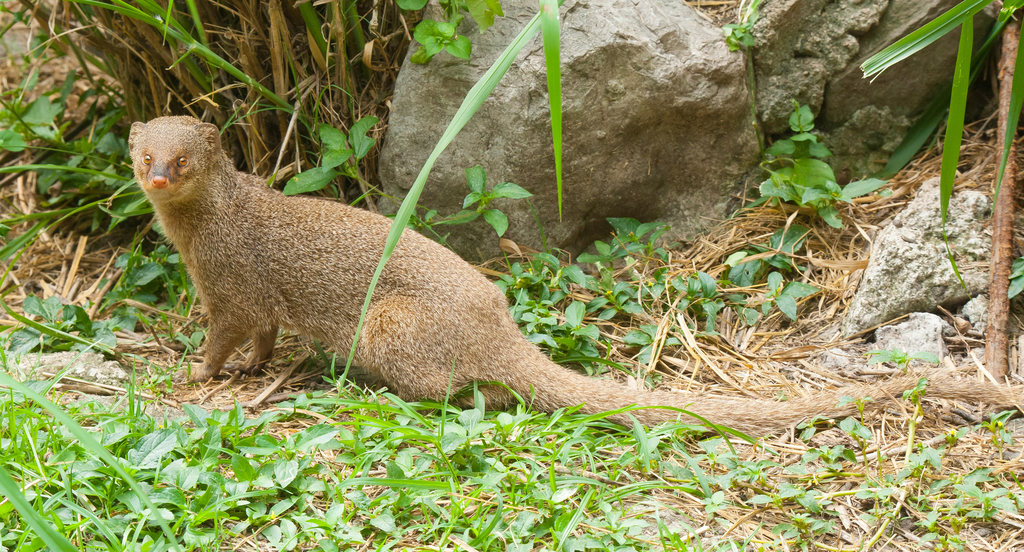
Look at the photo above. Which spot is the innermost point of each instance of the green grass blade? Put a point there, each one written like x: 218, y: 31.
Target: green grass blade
x: 474, y: 99
x: 87, y: 441
x: 313, y: 25
x: 197, y: 21
x: 552, y: 60
x: 91, y: 172
x: 925, y: 125
x: 24, y: 238
x: 917, y: 136
x: 12, y: 492
x: 955, y: 129
x: 957, y: 107
x: 915, y: 41
x: 1016, y: 101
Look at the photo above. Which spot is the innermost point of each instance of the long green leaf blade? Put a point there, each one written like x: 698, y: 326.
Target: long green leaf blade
x: 12, y: 492
x: 552, y: 60
x: 957, y: 107
x: 474, y: 99
x: 915, y: 41
x: 955, y: 129
x: 87, y: 441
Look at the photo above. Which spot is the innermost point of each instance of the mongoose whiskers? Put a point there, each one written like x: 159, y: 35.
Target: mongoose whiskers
x: 263, y: 261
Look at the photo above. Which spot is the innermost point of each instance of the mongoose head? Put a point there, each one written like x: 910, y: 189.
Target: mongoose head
x: 174, y: 157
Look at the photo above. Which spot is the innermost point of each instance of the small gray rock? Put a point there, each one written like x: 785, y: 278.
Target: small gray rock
x: 976, y: 310
x: 921, y: 334
x: 909, y: 270
x: 85, y: 366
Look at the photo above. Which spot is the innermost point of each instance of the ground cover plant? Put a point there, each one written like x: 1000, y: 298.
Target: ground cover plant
x: 315, y: 461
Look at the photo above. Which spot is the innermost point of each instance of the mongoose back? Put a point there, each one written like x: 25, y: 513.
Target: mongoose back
x: 262, y: 261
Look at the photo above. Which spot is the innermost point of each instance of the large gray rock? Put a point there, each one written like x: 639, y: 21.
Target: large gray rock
x: 657, y: 124
x: 909, y: 270
x: 811, y: 51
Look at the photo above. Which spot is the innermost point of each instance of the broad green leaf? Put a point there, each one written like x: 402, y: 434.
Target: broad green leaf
x: 497, y: 219
x: 476, y: 177
x: 471, y: 198
x: 361, y: 143
x: 149, y: 452
x: 817, y: 149
x: 798, y: 289
x: 736, y: 257
x: 285, y: 472
x: 812, y: 172
x: 831, y: 217
x: 12, y: 141
x: 482, y: 12
x: 333, y: 158
x: 802, y: 119
x: 811, y: 195
x: 445, y: 30
x: 926, y: 357
x: 510, y: 191
x: 781, y: 147
x: 637, y: 338
x: 309, y: 181
x: 861, y: 187
x: 707, y: 284
x: 460, y: 47
x: 787, y: 305
x: 332, y: 138
x: 41, y: 112
x: 774, y: 282
x: 574, y: 314
x: 411, y: 5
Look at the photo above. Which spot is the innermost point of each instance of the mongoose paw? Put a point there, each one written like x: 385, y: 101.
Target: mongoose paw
x: 247, y: 369
x: 200, y: 374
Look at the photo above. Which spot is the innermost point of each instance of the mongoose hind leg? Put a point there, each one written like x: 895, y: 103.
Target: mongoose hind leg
x: 399, y: 347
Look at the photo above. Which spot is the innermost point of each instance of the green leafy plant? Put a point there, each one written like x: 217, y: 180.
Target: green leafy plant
x: 435, y: 36
x: 738, y: 35
x: 785, y: 241
x: 784, y: 295
x: 480, y: 196
x: 1016, y: 278
x: 797, y: 173
x: 900, y: 358
x: 64, y: 319
x: 339, y: 156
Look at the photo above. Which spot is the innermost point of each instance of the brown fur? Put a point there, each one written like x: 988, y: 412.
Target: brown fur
x: 263, y: 261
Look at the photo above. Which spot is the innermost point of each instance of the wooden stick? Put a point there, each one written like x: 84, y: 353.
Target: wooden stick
x: 997, y: 345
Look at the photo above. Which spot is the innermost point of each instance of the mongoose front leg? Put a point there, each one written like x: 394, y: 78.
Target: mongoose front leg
x: 220, y: 343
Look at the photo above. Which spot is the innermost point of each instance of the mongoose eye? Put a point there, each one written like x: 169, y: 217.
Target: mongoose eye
x: 182, y: 161
x: 146, y: 159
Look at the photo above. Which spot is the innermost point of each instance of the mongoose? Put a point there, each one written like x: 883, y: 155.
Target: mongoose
x: 262, y: 261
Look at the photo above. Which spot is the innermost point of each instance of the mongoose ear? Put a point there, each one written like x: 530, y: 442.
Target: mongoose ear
x: 133, y: 137
x: 211, y: 133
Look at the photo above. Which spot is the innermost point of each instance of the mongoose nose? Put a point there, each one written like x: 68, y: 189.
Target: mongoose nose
x: 160, y: 182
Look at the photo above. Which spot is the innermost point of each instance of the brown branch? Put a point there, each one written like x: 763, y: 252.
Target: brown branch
x: 997, y: 342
